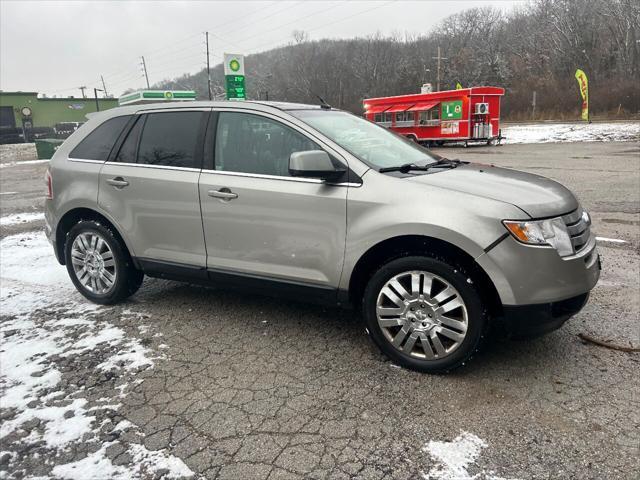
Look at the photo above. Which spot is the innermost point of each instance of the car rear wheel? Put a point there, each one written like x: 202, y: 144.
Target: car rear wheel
x: 99, y: 264
x: 424, y: 313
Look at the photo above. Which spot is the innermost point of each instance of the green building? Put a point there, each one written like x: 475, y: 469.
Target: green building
x: 16, y: 107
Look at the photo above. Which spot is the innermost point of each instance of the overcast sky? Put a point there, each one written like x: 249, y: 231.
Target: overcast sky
x: 54, y: 47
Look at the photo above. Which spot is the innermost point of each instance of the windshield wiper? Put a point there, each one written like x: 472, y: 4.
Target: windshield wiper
x: 408, y: 167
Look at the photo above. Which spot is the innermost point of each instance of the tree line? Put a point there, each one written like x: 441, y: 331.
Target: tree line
x: 535, y: 47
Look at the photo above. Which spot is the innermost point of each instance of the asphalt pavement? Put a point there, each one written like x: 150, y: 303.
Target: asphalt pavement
x: 249, y: 387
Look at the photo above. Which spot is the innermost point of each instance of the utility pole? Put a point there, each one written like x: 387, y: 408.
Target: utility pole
x: 208, y: 67
x: 144, y: 68
x: 95, y: 95
x: 533, y: 106
x: 103, y: 86
x: 439, y: 58
x: 82, y: 89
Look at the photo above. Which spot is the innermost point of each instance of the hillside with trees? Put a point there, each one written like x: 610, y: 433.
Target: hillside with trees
x: 536, y: 47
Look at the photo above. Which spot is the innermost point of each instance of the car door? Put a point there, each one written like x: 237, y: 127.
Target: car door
x: 150, y: 188
x: 258, y: 220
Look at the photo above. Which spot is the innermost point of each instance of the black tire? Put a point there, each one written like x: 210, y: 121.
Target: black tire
x: 456, y: 276
x: 128, y: 279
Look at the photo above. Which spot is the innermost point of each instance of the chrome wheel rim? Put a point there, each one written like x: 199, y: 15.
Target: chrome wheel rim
x: 93, y: 263
x: 422, y: 315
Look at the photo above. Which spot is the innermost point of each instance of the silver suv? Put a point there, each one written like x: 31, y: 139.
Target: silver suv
x: 317, y: 204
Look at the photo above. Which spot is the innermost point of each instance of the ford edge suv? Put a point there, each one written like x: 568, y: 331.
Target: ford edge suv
x: 318, y: 205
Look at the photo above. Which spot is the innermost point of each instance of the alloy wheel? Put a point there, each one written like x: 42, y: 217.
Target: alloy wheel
x: 422, y: 315
x: 93, y: 263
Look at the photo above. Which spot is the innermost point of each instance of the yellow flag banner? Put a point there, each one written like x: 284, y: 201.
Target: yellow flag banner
x: 458, y: 86
x: 583, y: 83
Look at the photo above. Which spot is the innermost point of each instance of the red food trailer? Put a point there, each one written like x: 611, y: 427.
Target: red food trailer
x: 465, y: 115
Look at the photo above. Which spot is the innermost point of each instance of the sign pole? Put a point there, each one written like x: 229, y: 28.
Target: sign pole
x: 208, y: 67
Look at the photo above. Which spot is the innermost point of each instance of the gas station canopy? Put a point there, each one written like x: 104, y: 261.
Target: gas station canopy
x: 154, y: 96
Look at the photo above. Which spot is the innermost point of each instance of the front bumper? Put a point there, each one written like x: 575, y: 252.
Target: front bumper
x: 529, y: 275
x: 538, y: 289
x: 526, y: 321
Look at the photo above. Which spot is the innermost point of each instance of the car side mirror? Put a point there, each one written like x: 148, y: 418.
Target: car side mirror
x: 313, y: 164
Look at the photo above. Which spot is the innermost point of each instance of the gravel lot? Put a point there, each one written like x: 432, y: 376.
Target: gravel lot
x: 188, y: 382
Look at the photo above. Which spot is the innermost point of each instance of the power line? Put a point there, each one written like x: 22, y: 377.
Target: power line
x: 275, y: 44
x: 246, y: 16
x: 289, y: 23
x: 262, y: 19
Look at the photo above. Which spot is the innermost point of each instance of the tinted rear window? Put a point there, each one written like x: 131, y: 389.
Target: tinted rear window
x: 127, y: 153
x: 170, y: 139
x: 98, y: 144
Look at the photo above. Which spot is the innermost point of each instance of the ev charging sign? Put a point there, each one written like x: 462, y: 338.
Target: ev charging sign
x: 234, y: 76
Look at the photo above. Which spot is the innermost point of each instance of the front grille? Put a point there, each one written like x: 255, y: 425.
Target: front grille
x: 578, y: 229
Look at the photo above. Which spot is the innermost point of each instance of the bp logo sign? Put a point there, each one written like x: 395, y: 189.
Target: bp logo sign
x: 234, y: 76
x: 168, y: 95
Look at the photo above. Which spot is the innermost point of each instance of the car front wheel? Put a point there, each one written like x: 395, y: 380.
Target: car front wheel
x: 424, y: 313
x: 99, y: 264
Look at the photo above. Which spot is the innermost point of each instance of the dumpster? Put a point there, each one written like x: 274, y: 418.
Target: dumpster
x: 46, y: 147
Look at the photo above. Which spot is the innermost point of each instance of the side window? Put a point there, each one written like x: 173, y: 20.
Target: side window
x: 170, y: 139
x: 127, y: 153
x: 98, y: 144
x: 253, y: 144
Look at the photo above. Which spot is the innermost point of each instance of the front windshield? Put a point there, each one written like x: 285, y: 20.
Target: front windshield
x: 371, y: 143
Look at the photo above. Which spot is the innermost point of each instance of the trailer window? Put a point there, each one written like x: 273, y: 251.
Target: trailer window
x: 429, y: 116
x: 378, y: 117
x: 404, y: 117
x: 387, y: 117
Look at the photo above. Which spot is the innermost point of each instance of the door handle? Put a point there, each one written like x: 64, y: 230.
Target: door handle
x: 223, y: 193
x: 117, y: 182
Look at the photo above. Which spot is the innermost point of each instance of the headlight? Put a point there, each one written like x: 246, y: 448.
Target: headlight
x: 552, y: 232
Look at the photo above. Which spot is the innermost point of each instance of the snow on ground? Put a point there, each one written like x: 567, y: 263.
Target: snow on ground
x: 25, y: 162
x: 17, y: 152
x: 571, y: 132
x: 454, y: 459
x: 50, y: 424
x: 21, y: 218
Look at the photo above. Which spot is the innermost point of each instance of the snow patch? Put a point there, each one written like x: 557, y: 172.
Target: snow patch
x: 24, y: 162
x: 454, y: 458
x: 572, y: 132
x: 44, y: 321
x: 21, y: 218
x: 96, y: 466
x: 133, y: 356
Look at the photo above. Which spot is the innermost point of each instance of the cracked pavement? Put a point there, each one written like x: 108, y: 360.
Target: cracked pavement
x: 249, y: 387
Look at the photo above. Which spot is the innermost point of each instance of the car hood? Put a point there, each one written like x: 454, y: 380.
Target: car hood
x: 534, y: 194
